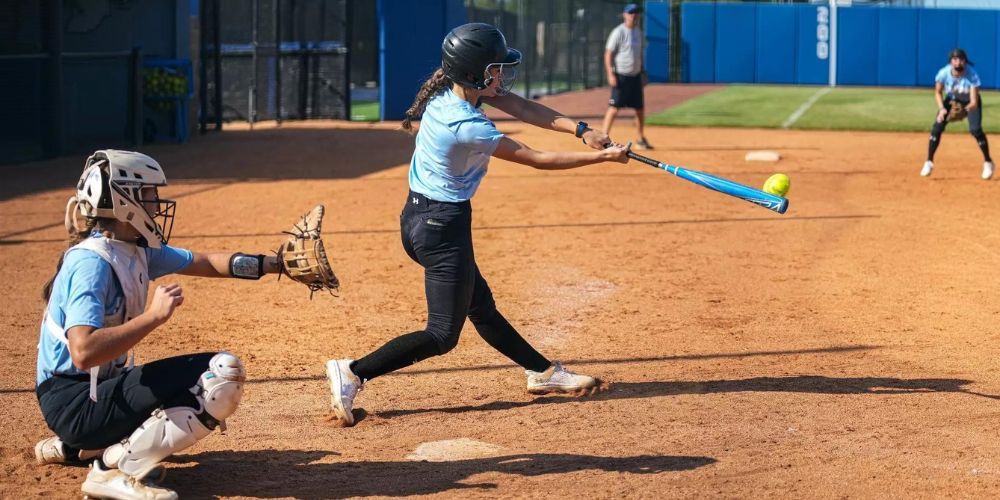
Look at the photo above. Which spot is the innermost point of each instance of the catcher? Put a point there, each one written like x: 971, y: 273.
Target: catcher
x: 956, y: 90
x: 126, y: 419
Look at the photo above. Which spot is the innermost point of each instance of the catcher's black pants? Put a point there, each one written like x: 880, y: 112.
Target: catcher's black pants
x: 123, y: 402
x: 438, y: 236
x: 975, y: 128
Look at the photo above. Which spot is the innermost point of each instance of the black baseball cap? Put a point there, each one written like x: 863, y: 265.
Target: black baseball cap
x: 960, y: 53
x: 631, y: 8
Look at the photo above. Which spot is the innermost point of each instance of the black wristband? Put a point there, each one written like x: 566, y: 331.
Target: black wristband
x: 247, y: 267
x: 581, y: 127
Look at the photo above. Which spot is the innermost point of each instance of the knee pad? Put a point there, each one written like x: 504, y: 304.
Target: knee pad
x: 171, y: 430
x: 220, y: 389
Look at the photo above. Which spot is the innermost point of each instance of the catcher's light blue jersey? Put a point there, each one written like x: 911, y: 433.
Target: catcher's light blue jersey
x: 84, y: 293
x: 453, y: 150
x: 958, y: 87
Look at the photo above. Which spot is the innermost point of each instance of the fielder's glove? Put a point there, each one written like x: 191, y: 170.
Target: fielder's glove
x: 957, y: 112
x: 302, y: 256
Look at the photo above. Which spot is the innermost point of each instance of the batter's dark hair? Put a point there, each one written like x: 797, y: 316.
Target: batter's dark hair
x: 433, y: 86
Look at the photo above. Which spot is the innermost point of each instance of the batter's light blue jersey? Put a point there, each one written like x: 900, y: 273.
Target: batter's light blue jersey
x: 84, y: 292
x: 454, y: 145
x: 958, y: 87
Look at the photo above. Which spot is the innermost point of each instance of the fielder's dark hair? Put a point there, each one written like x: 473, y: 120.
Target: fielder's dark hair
x: 433, y: 86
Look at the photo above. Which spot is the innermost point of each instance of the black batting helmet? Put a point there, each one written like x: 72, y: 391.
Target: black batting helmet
x: 470, y: 49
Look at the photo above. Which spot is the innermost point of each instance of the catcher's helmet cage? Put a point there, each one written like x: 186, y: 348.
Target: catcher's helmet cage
x: 471, y: 50
x: 111, y: 187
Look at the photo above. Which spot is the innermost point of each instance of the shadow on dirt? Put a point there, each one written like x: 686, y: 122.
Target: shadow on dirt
x: 276, y: 473
x: 240, y: 155
x: 812, y: 384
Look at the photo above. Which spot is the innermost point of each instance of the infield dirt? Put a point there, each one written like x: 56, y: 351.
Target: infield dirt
x: 846, y: 349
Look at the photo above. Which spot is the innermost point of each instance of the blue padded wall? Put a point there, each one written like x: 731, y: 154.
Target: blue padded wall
x: 809, y: 68
x: 857, y: 37
x: 657, y: 24
x: 775, y: 44
x: 698, y: 40
x: 897, y: 47
x: 735, y: 41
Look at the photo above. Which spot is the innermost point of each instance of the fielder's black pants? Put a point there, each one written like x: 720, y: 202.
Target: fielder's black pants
x: 123, y: 402
x: 438, y: 236
x: 975, y: 128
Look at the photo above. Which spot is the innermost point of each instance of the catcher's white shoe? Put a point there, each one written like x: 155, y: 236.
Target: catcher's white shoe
x: 344, y: 385
x: 558, y: 379
x: 51, y: 451
x: 928, y: 168
x: 987, y: 170
x: 115, y: 484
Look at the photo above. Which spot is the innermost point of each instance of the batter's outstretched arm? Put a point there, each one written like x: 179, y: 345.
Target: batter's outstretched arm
x: 217, y: 265
x: 540, y: 115
x: 517, y: 152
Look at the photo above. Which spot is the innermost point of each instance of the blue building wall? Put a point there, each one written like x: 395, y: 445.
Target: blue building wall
x: 789, y: 44
x: 410, y: 35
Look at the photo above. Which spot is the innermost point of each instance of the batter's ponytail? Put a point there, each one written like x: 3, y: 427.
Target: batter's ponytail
x: 436, y: 83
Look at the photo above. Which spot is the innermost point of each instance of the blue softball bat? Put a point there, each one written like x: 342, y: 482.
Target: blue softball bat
x: 756, y: 196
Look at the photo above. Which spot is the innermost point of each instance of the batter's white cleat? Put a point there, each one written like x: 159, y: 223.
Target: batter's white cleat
x: 928, y: 168
x: 987, y: 170
x: 115, y: 484
x: 559, y: 379
x: 344, y: 385
x: 51, y: 451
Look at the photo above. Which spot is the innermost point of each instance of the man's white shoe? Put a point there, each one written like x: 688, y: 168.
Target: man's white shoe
x: 987, y: 170
x: 928, y: 168
x: 51, y: 451
x: 559, y: 379
x: 115, y: 484
x: 344, y: 385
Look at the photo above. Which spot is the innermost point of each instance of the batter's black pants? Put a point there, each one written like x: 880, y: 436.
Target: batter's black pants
x: 123, y: 402
x: 438, y: 236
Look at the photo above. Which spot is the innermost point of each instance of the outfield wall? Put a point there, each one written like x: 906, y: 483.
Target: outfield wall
x: 793, y: 44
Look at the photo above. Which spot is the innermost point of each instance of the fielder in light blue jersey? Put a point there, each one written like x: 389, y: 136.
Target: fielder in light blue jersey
x: 957, y: 85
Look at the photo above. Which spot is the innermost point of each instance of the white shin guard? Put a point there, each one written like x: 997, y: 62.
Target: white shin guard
x: 171, y: 430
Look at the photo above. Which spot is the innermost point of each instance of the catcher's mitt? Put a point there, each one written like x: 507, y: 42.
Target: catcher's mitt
x: 957, y: 112
x: 302, y: 256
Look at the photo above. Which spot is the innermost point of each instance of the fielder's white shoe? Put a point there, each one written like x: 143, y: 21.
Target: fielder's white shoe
x: 51, y: 451
x: 115, y: 484
x: 558, y: 379
x: 987, y: 170
x: 928, y: 168
x: 344, y: 385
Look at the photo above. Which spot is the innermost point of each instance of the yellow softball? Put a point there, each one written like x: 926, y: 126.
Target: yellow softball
x: 777, y: 184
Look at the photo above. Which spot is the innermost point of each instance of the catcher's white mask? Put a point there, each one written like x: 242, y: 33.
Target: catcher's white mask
x: 116, y: 184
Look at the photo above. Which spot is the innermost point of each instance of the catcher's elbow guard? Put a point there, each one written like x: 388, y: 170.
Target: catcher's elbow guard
x: 248, y: 267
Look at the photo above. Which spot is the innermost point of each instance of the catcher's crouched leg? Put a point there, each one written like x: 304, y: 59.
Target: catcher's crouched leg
x: 171, y: 430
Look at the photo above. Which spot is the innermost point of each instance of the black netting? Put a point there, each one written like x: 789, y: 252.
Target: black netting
x: 277, y: 59
x: 562, y: 40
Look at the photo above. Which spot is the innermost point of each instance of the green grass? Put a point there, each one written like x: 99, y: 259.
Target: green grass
x: 843, y: 108
x: 364, y: 111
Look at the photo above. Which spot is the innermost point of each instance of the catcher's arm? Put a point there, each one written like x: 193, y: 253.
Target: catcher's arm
x: 230, y: 265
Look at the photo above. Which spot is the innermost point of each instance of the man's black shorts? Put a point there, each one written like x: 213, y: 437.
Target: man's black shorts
x: 628, y: 93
